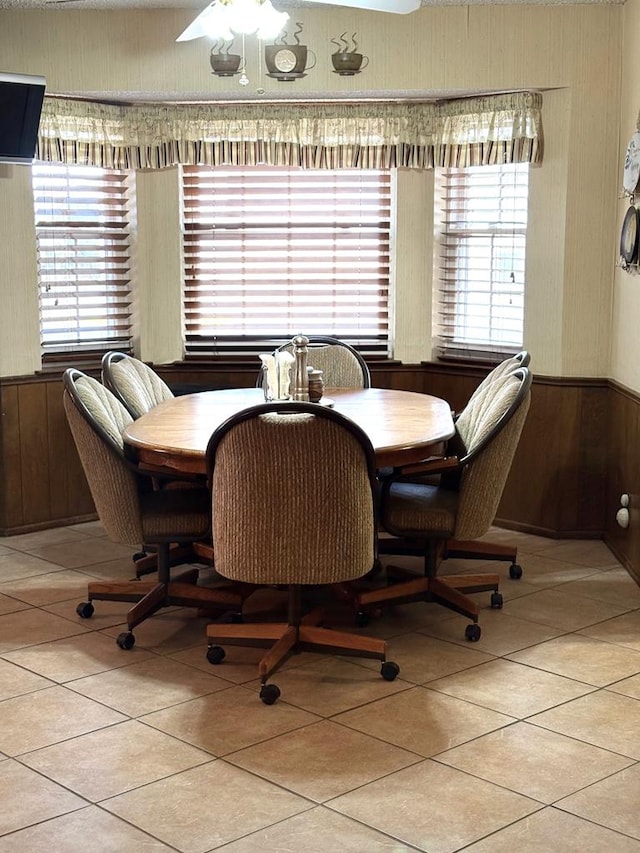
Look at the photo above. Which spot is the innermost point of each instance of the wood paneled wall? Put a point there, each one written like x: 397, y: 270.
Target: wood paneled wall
x: 42, y: 482
x: 557, y: 484
x: 624, y: 476
x: 565, y: 480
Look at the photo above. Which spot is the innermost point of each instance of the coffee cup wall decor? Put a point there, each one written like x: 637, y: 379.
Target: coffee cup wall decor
x: 223, y: 63
x: 349, y: 63
x: 346, y: 59
x: 288, y: 61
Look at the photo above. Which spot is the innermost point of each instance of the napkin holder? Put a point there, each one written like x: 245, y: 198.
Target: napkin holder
x: 276, y: 375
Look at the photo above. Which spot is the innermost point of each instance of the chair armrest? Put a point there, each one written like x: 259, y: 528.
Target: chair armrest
x: 435, y: 465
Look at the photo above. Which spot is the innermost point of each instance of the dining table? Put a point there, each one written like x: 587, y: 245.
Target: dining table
x: 404, y: 427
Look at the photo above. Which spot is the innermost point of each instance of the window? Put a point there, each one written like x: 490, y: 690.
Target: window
x: 482, y: 247
x: 270, y: 252
x: 83, y: 225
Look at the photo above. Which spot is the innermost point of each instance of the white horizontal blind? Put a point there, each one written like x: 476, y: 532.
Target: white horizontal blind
x: 270, y: 252
x: 83, y: 240
x: 482, y: 260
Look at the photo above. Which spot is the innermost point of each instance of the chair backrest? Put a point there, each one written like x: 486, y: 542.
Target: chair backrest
x: 342, y: 366
x: 293, y: 491
x: 521, y: 359
x: 490, y: 429
x: 134, y: 383
x: 97, y: 419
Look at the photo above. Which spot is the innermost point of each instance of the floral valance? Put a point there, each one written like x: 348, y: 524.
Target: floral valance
x: 464, y: 132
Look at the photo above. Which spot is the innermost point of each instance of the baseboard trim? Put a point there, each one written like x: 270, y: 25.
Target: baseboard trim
x: 47, y: 525
x: 535, y: 530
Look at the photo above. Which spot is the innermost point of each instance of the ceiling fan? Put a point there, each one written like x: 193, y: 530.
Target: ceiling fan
x: 203, y: 23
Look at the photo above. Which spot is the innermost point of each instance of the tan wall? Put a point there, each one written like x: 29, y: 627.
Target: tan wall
x: 19, y: 323
x: 574, y: 50
x: 625, y: 340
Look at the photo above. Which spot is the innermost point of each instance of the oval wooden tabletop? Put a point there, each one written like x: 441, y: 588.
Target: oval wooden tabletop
x: 403, y: 426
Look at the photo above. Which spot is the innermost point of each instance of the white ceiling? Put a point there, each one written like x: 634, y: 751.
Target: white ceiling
x: 283, y: 4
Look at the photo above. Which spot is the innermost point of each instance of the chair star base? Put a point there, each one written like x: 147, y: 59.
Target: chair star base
x: 299, y: 634
x: 147, y: 563
x: 405, y: 587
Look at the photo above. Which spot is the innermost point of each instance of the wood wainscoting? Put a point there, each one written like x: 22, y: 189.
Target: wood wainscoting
x: 42, y: 482
x: 624, y: 476
x: 557, y: 486
x: 557, y: 483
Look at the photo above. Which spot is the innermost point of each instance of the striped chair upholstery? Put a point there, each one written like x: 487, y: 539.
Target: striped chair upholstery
x: 461, y: 503
x: 489, y: 430
x: 485, y: 550
x: 133, y: 382
x: 292, y: 490
x: 139, y: 389
x: 132, y: 511
x: 342, y: 366
x: 521, y: 359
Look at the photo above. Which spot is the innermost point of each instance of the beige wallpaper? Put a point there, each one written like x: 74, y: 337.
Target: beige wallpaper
x: 19, y: 320
x: 574, y: 51
x: 159, y: 268
x: 625, y: 336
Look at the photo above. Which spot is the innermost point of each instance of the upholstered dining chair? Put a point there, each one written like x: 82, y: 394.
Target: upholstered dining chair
x: 481, y: 549
x: 341, y: 364
x: 139, y: 388
x: 422, y: 517
x: 301, y: 478
x: 521, y: 359
x: 131, y: 511
x: 134, y: 383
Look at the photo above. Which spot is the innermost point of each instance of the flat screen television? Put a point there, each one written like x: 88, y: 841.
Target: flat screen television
x: 21, y: 97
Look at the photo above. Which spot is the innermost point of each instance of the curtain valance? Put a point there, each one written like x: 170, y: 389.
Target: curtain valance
x: 465, y: 132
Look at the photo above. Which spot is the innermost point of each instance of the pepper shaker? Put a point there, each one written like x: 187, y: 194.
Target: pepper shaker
x: 316, y: 385
x: 301, y: 379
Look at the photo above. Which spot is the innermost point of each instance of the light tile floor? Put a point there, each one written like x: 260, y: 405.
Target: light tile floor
x: 528, y: 740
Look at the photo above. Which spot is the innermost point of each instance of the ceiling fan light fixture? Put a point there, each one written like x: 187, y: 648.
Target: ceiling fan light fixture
x: 270, y: 21
x: 224, y: 17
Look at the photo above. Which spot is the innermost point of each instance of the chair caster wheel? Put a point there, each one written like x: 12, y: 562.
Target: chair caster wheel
x: 139, y: 555
x: 215, y: 654
x: 515, y: 571
x: 389, y: 670
x: 269, y: 693
x: 85, y: 610
x: 472, y: 633
x: 496, y: 600
x: 362, y: 619
x: 126, y: 640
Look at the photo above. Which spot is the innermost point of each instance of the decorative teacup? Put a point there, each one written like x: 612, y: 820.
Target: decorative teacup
x: 225, y: 64
x: 349, y: 62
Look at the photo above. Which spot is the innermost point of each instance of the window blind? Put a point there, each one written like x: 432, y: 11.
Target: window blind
x: 482, y: 249
x: 270, y: 252
x: 83, y: 217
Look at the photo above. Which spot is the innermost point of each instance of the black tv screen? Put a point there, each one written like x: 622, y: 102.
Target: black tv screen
x: 21, y: 97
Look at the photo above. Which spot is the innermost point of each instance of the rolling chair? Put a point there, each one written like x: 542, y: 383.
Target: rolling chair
x: 134, y: 383
x: 131, y: 511
x: 481, y: 550
x: 342, y: 366
x: 423, y: 516
x: 301, y: 479
x: 139, y: 388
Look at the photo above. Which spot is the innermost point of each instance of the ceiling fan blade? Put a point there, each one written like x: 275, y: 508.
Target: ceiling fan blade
x: 400, y: 7
x: 198, y: 27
